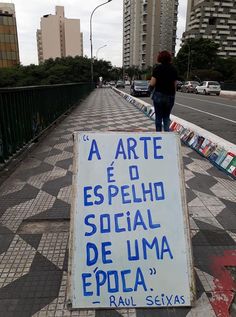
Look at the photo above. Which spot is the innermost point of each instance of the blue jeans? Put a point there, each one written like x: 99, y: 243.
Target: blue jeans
x: 163, y: 105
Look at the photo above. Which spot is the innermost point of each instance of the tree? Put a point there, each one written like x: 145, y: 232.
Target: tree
x: 227, y: 66
x: 134, y: 72
x: 115, y: 73
x: 198, y: 54
x: 55, y: 71
x: 102, y: 69
x: 204, y: 63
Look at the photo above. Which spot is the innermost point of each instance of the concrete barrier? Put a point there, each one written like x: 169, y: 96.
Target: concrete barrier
x: 226, y: 93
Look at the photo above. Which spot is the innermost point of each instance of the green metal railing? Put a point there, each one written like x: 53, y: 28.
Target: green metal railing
x: 26, y: 112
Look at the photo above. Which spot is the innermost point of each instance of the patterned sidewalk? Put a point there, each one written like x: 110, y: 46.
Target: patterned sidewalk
x: 35, y: 213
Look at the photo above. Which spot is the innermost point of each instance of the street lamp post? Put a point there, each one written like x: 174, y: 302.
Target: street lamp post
x: 91, y: 36
x: 189, y: 55
x: 99, y: 50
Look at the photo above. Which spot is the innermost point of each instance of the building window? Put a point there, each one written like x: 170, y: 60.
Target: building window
x: 212, y: 21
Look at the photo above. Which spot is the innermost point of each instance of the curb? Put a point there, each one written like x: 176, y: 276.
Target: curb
x: 218, y: 151
x: 227, y: 93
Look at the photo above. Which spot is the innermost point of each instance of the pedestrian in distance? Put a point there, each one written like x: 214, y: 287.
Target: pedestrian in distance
x: 163, y: 86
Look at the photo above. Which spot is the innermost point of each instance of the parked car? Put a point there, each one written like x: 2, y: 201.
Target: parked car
x: 120, y: 84
x: 179, y: 85
x: 112, y: 83
x: 189, y: 86
x: 208, y: 87
x: 139, y: 88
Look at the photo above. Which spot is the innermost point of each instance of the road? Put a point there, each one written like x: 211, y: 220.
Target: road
x: 212, y: 113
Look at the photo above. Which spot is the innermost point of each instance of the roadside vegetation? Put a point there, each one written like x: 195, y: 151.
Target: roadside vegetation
x: 199, y: 54
x: 57, y: 71
x: 204, y: 63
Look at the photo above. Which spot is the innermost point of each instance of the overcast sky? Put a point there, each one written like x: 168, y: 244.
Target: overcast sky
x: 107, y: 25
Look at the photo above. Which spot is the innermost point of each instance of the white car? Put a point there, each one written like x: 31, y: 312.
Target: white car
x: 208, y: 87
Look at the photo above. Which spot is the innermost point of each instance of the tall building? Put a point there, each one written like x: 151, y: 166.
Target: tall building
x: 215, y: 20
x: 149, y: 26
x: 59, y: 36
x: 9, y: 49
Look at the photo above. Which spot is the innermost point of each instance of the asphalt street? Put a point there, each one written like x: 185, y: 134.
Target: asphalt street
x: 212, y: 113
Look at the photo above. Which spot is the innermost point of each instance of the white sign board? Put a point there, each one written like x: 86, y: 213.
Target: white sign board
x: 130, y: 244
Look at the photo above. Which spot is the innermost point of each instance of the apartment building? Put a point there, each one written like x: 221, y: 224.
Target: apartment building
x: 215, y: 20
x: 149, y: 26
x: 59, y: 36
x: 9, y: 49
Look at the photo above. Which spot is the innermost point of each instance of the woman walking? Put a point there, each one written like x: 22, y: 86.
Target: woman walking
x: 163, y: 81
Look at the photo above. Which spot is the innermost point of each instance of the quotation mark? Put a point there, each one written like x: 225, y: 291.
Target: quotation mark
x: 153, y: 271
x: 85, y: 138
